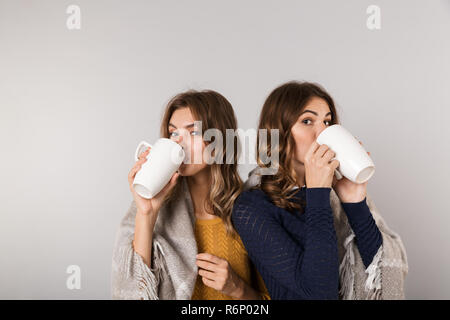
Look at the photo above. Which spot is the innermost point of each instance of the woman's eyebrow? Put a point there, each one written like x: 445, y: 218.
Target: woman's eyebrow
x: 190, y: 125
x: 314, y: 112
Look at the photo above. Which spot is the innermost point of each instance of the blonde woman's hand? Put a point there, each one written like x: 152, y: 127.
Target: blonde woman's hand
x: 149, y: 206
x: 218, y: 274
x: 319, y: 169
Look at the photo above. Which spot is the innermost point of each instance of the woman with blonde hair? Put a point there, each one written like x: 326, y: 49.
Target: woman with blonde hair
x: 181, y: 243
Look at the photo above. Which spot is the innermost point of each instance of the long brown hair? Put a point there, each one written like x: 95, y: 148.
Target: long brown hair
x: 215, y: 112
x: 280, y: 111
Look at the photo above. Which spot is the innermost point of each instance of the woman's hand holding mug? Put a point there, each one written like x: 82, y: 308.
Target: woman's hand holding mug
x: 149, y: 206
x: 319, y: 168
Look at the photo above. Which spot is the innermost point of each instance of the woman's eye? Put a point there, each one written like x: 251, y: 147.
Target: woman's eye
x: 173, y: 134
x: 195, y: 133
x: 329, y: 122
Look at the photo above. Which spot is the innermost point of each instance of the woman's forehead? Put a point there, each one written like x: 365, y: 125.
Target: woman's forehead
x: 181, y: 118
x: 317, y: 106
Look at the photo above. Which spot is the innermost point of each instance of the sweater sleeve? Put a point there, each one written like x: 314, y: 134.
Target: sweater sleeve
x: 311, y: 270
x: 131, y: 278
x: 368, y: 236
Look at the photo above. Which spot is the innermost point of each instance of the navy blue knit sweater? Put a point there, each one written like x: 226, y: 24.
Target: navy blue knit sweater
x: 296, y: 253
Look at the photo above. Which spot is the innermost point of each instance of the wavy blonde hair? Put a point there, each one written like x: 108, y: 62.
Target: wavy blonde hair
x: 280, y: 111
x: 215, y: 112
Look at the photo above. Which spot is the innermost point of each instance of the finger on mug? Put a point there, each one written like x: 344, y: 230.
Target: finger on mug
x: 328, y: 155
x: 312, y: 149
x: 322, y: 150
x: 334, y: 164
x: 141, y: 161
x: 144, y: 154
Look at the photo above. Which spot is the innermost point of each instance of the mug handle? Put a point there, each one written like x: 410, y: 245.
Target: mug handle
x: 338, y: 174
x: 138, y: 149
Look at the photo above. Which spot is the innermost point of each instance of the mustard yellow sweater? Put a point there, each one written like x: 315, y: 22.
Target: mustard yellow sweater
x: 212, y: 238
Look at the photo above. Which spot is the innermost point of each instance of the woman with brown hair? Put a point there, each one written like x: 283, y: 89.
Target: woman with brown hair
x: 310, y: 235
x: 181, y: 244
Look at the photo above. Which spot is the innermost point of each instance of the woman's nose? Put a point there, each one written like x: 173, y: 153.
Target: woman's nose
x: 179, y: 139
x: 320, y: 129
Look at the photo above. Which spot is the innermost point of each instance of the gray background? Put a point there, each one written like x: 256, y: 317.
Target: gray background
x: 74, y: 105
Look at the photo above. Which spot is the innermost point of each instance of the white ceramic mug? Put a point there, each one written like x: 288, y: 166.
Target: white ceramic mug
x: 163, y: 161
x: 354, y: 162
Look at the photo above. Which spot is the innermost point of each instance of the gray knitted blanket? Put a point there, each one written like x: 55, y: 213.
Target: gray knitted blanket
x: 173, y: 272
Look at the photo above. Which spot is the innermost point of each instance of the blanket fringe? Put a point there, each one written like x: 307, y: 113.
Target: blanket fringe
x: 373, y: 281
x: 148, y: 279
x: 346, y: 274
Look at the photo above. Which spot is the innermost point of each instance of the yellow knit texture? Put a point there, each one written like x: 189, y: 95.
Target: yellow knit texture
x: 212, y: 238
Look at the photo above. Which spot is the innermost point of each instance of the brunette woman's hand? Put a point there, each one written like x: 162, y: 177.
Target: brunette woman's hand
x: 319, y: 169
x: 149, y: 206
x: 349, y: 191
